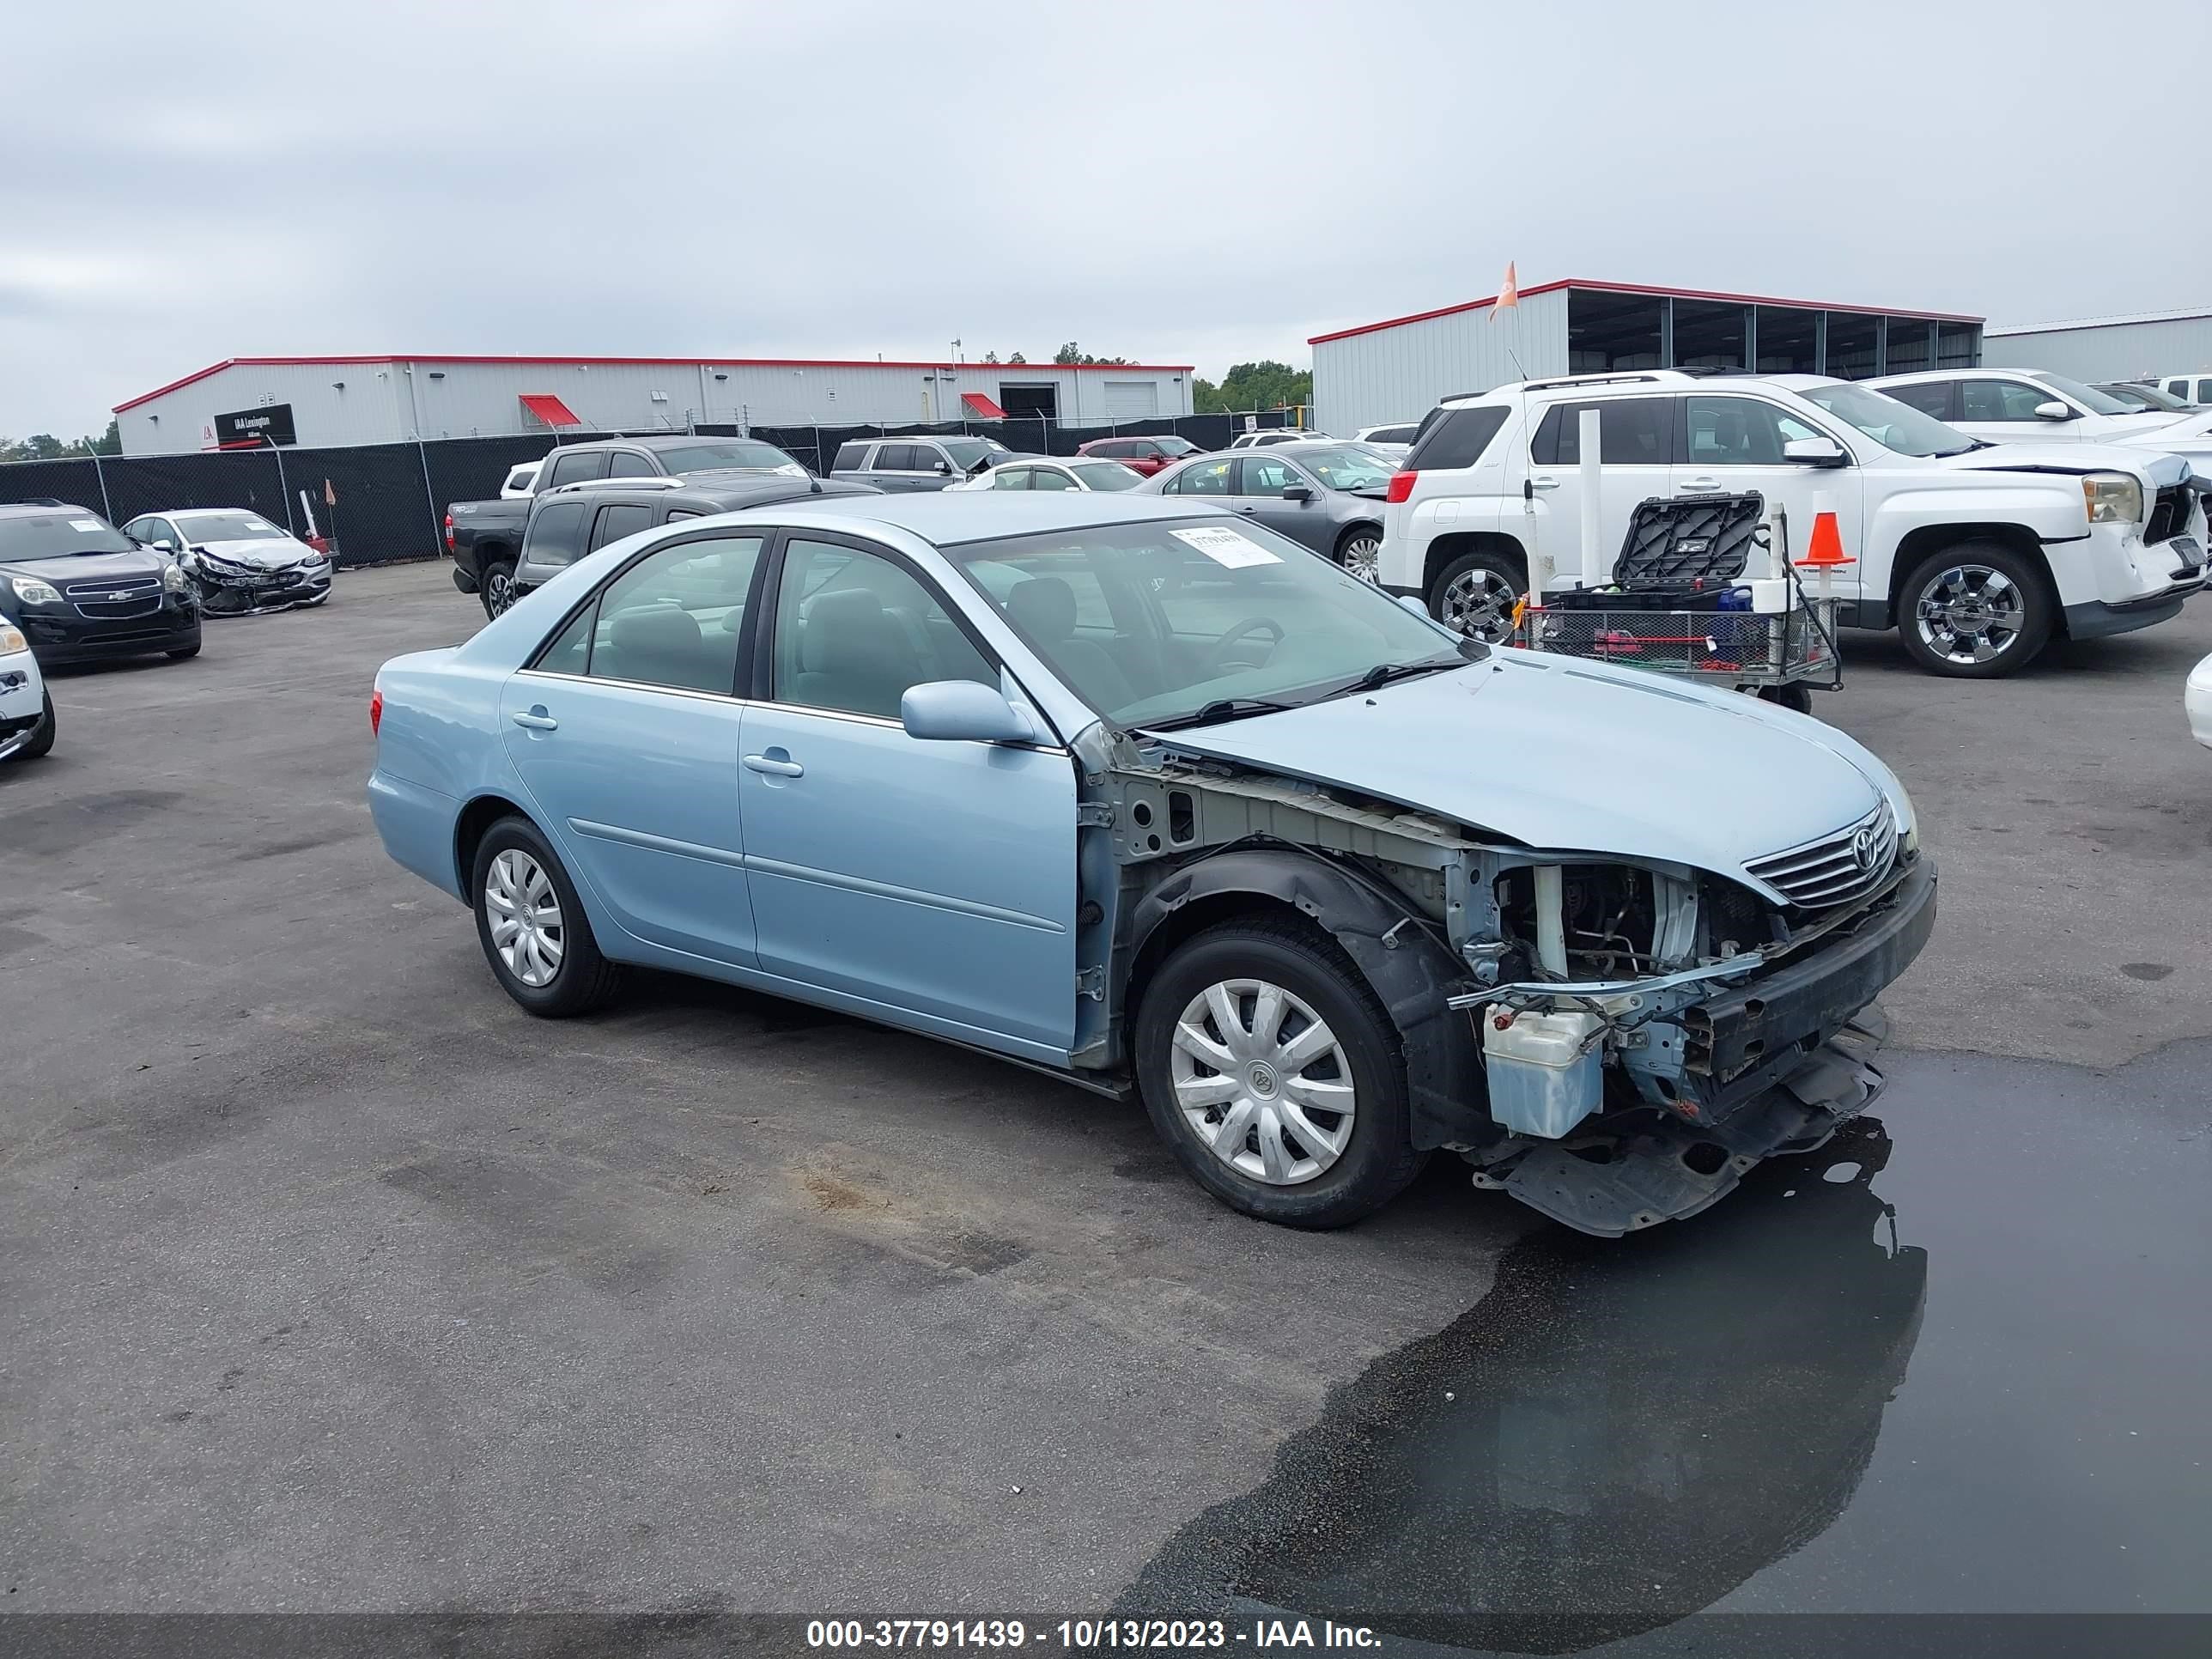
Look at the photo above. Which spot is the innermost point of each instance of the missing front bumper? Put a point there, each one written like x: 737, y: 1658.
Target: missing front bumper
x: 1635, y: 1169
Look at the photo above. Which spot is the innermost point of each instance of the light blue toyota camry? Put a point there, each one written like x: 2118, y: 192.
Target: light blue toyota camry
x: 1150, y: 799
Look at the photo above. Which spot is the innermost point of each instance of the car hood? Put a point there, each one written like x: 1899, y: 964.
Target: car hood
x: 260, y: 552
x: 87, y: 567
x: 2154, y: 465
x: 1575, y: 756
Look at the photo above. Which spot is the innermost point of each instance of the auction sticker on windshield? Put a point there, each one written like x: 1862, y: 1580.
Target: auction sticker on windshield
x: 87, y: 527
x: 1226, y: 547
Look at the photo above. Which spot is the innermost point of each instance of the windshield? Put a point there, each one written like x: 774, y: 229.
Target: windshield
x: 968, y: 453
x: 1177, y: 446
x: 227, y: 527
x: 732, y: 452
x: 1890, y: 424
x: 65, y: 531
x: 1345, y: 467
x: 1151, y: 622
x: 1107, y: 475
x: 2096, y: 402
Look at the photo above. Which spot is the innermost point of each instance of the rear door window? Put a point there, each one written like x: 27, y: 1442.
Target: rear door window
x: 849, y: 458
x: 1204, y: 478
x: 618, y: 521
x: 1631, y: 432
x: 1934, y: 397
x: 628, y: 463
x: 576, y: 467
x: 894, y: 457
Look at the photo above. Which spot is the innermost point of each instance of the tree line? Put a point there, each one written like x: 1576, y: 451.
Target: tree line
x: 45, y: 446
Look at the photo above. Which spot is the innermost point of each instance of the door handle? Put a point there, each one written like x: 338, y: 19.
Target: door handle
x: 774, y: 768
x: 537, y: 719
x: 1543, y: 481
x: 1700, y: 486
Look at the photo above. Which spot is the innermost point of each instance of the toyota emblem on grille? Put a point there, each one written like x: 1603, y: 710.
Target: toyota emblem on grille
x: 1863, y: 847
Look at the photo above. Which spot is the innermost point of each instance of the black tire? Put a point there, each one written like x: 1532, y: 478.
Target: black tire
x: 1377, y: 1161
x: 1950, y: 577
x: 495, y: 587
x: 584, y: 979
x: 1496, y: 578
x: 1797, y: 698
x: 42, y: 735
x: 187, y: 653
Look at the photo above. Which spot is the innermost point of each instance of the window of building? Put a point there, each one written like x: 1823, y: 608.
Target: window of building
x: 1710, y: 334
x: 1959, y: 345
x: 1911, y: 347
x: 1608, y: 332
x: 1788, y: 340
x: 1854, y: 345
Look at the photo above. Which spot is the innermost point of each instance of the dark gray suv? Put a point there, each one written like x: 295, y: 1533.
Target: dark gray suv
x: 908, y: 463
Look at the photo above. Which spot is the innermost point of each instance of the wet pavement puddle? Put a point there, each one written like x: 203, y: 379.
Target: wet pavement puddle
x: 1953, y: 1363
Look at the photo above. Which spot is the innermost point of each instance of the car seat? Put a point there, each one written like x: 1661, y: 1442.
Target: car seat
x: 854, y: 655
x: 662, y: 645
x: 1043, y: 607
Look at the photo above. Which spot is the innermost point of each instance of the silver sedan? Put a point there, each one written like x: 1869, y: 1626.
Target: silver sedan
x: 1329, y: 495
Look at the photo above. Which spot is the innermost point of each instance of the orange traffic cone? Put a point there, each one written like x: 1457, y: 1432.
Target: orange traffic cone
x: 1825, y: 551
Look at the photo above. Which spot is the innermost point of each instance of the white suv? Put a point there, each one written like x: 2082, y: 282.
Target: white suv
x: 2023, y: 405
x: 1985, y: 551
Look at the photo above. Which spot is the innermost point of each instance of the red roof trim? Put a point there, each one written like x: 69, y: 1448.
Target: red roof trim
x: 550, y: 409
x: 667, y: 362
x: 1646, y: 287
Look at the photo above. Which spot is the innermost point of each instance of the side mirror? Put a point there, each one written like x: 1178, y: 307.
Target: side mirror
x: 963, y: 711
x: 163, y: 544
x: 1296, y: 493
x: 1814, y: 452
x: 2054, y: 410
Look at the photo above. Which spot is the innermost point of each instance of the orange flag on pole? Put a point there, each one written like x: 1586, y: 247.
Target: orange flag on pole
x: 1509, y: 294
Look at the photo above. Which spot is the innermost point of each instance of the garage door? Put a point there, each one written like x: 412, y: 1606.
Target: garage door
x: 1132, y: 400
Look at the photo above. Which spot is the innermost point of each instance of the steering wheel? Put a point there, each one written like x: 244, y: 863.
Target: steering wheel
x: 1218, y: 659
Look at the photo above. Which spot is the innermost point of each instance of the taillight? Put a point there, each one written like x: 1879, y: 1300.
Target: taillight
x: 449, y: 533
x: 375, y: 710
x: 1401, y: 487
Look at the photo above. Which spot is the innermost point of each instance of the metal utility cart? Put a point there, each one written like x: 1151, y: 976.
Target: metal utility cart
x: 1704, y: 587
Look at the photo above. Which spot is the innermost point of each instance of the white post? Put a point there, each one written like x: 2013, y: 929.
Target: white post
x: 1594, y: 573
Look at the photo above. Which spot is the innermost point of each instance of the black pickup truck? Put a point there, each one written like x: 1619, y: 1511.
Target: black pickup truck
x: 485, y: 537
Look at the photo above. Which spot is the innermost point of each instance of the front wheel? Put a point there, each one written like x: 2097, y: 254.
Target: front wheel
x: 497, y: 589
x: 1976, y: 611
x: 532, y: 926
x: 1273, y: 1073
x: 41, y: 740
x: 1475, y: 593
x: 186, y: 654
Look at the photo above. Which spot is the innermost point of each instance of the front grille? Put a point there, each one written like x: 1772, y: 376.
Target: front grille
x: 2169, y: 514
x: 1835, y: 869
x: 116, y: 599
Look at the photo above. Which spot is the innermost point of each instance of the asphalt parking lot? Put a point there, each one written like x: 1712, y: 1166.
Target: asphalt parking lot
x: 329, y: 1281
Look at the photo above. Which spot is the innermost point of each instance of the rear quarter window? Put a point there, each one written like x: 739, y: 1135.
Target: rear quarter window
x: 1457, y: 440
x: 850, y: 458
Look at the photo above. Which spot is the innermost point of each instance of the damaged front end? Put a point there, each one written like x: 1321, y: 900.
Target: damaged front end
x: 1612, y: 1041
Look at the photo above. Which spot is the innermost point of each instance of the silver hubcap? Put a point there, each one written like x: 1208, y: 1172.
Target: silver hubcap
x: 1361, y: 556
x: 499, y: 589
x: 525, y: 917
x: 1971, y: 613
x: 1479, y: 603
x: 1262, y: 1082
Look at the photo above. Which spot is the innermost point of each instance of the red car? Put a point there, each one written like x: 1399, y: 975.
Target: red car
x: 1145, y: 455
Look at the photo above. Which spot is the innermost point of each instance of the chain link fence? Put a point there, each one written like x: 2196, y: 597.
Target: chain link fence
x: 380, y: 503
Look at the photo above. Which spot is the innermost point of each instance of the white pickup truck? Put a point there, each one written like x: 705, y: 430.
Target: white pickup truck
x: 1980, y: 554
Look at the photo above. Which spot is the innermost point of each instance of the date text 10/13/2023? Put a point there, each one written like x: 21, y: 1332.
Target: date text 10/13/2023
x: 1260, y: 1635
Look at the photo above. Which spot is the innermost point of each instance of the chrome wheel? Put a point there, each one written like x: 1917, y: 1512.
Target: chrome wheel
x: 1970, y: 613
x: 499, y: 590
x: 1262, y: 1082
x: 1363, y: 558
x: 525, y: 917
x: 1479, y: 603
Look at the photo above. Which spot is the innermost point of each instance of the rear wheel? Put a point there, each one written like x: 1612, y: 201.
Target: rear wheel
x: 1976, y: 611
x: 1474, y: 595
x: 495, y: 587
x: 1360, y: 552
x: 532, y: 926
x: 1273, y: 1073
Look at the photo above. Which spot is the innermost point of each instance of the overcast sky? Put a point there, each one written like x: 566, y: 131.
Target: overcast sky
x: 1198, y: 182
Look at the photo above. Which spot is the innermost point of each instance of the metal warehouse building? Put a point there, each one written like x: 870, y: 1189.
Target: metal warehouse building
x: 2139, y: 348
x: 1397, y: 370
x: 317, y: 401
